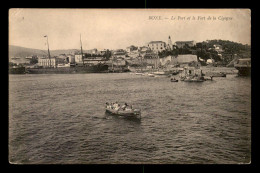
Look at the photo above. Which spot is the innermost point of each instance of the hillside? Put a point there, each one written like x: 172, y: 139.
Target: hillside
x: 205, y: 50
x: 17, y: 51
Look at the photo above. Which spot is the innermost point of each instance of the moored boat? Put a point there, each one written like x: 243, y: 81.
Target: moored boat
x: 17, y: 70
x: 151, y: 75
x: 216, y: 74
x: 243, y: 66
x: 100, y: 68
x: 159, y: 73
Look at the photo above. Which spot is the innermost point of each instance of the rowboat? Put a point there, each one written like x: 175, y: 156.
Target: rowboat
x: 174, y: 80
x: 151, y: 75
x: 128, y: 113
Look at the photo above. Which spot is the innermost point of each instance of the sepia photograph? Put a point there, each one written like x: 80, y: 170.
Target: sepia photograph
x: 129, y: 86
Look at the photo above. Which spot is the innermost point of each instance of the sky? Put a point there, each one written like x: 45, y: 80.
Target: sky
x: 120, y: 28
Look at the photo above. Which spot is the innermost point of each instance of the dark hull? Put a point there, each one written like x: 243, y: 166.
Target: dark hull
x: 187, y: 80
x: 216, y: 74
x: 19, y: 70
x: 69, y: 70
x: 244, y: 71
x: 174, y: 80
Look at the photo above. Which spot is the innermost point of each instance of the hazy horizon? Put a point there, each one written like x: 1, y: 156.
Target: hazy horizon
x: 120, y: 28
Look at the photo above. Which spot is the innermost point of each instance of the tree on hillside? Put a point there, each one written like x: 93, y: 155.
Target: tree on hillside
x: 165, y: 53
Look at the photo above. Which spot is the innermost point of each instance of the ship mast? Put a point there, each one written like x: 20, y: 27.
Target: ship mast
x: 81, y: 50
x: 49, y: 54
x: 113, y: 63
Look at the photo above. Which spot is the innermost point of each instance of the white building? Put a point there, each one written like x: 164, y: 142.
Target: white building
x: 71, y: 58
x: 120, y: 53
x: 143, y: 49
x: 46, y: 62
x: 78, y: 58
x: 131, y: 48
x: 157, y: 46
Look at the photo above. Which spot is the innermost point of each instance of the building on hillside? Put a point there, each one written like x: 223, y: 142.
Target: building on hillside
x: 131, y: 48
x: 133, y: 54
x: 117, y: 62
x: 157, y: 46
x: 181, y: 44
x: 69, y: 58
x: 149, y: 55
x: 64, y: 57
x: 104, y: 51
x: 78, y: 58
x: 143, y: 49
x: 166, y: 60
x: 92, y: 51
x: 153, y: 62
x: 119, y: 53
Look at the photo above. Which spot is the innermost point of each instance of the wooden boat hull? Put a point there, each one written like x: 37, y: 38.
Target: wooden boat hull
x: 68, y: 70
x: 174, y: 80
x: 243, y: 66
x: 244, y: 71
x: 128, y: 114
x: 19, y: 70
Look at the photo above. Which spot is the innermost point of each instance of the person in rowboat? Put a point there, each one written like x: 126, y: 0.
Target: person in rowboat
x: 124, y: 106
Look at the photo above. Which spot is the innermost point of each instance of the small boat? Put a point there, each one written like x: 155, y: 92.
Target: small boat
x: 174, y: 80
x: 208, y: 78
x: 194, y: 79
x: 132, y: 113
x: 151, y: 75
x: 125, y: 112
x: 159, y: 73
x: 243, y: 66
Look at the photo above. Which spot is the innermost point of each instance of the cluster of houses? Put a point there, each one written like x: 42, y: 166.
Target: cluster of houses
x: 132, y: 55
